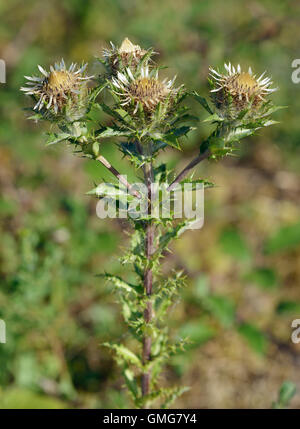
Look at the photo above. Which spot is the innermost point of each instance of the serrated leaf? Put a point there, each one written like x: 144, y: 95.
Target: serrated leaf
x: 172, y: 394
x: 182, y: 131
x: 125, y: 116
x: 203, y: 102
x: 206, y: 183
x: 273, y: 109
x: 121, y: 284
x: 175, y: 232
x: 213, y: 118
x: 36, y: 116
x: 270, y: 122
x: 125, y: 354
x: 173, y: 141
x: 171, y: 138
x: 144, y: 60
x: 184, y: 118
x: 112, y: 132
x: 239, y: 133
x: 119, y: 114
x: 131, y: 382
x: 54, y: 138
x: 111, y: 190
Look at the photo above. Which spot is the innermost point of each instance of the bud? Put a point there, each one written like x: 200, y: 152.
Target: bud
x: 128, y: 55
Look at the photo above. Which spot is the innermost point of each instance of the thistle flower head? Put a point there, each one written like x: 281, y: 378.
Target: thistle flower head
x: 128, y: 54
x: 237, y: 90
x: 55, y: 88
x: 145, y: 90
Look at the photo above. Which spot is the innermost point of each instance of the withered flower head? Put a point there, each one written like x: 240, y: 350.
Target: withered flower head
x: 54, y: 88
x: 128, y: 54
x: 237, y: 90
x: 144, y: 91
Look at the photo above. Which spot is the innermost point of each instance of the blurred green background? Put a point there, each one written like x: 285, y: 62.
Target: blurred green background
x: 243, y: 267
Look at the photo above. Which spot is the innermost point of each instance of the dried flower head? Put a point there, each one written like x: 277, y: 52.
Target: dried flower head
x: 144, y: 91
x: 238, y: 90
x: 128, y: 54
x: 56, y: 87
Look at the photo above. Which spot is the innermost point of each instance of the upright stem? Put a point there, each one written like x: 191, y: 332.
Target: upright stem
x: 148, y: 282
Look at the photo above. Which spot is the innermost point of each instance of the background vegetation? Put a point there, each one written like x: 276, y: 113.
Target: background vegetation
x: 243, y: 266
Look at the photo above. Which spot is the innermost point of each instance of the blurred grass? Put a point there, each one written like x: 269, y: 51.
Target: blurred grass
x: 238, y: 313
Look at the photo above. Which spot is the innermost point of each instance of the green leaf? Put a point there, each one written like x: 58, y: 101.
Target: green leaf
x: 239, y: 133
x: 213, y: 118
x: 286, y: 393
x: 264, y: 277
x: 131, y: 382
x: 172, y: 394
x: 26, y: 399
x: 175, y: 232
x: 123, y: 354
x: 109, y: 111
x: 119, y: 114
x: 111, y: 190
x: 112, y: 132
x: 221, y: 307
x: 273, y: 109
x: 125, y: 117
x: 121, y: 284
x: 201, y: 287
x: 234, y: 244
x: 171, y: 138
x: 286, y: 238
x: 172, y: 141
x: 206, y: 183
x: 54, y: 138
x: 270, y: 122
x: 144, y: 60
x: 254, y: 337
x: 288, y: 307
x: 182, y: 131
x: 203, y: 102
x: 196, y: 332
x: 36, y: 117
x: 184, y: 118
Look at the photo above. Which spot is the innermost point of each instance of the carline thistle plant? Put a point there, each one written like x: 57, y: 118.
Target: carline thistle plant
x: 147, y: 115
